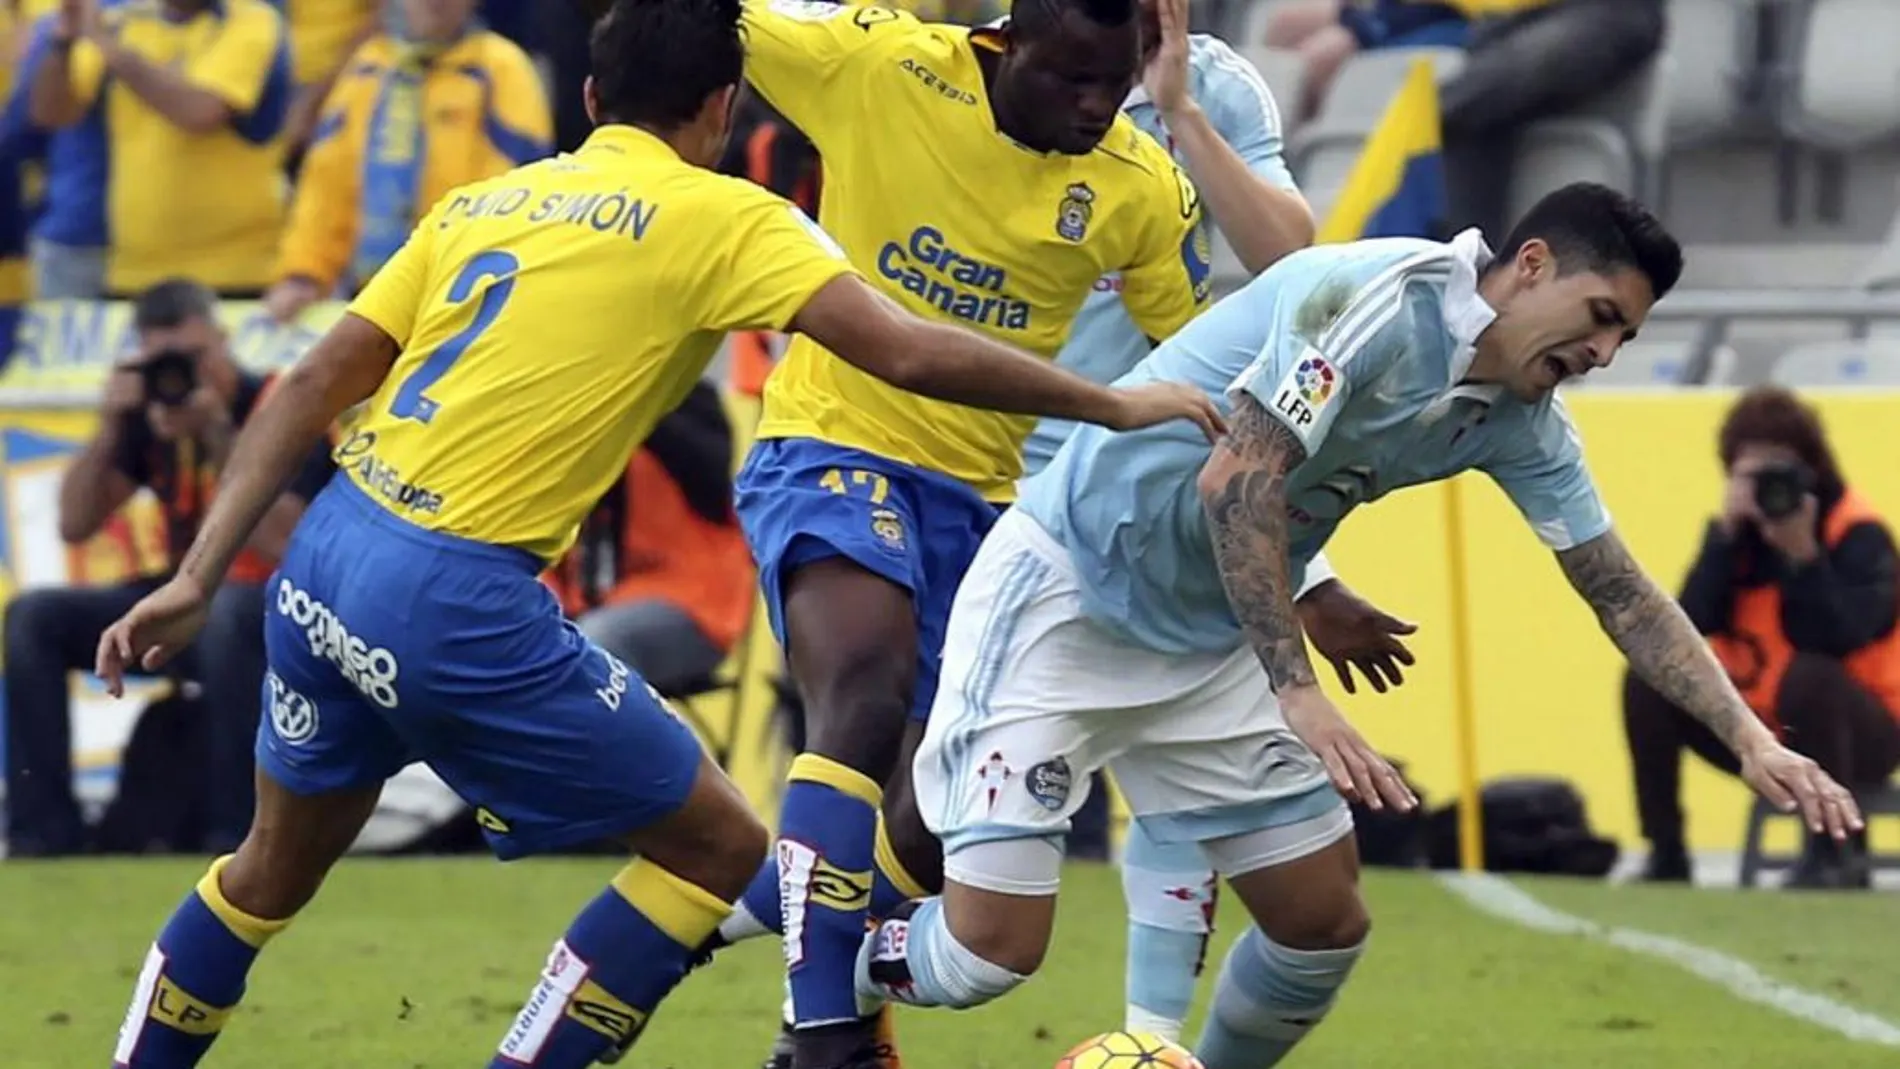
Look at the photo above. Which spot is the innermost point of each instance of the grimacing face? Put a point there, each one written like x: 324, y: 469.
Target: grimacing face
x: 1558, y: 326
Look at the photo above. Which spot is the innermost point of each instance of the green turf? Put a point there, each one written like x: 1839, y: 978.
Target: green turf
x: 414, y: 964
x: 1845, y: 946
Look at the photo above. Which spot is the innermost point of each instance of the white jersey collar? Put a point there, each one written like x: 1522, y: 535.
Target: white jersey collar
x: 1467, y: 314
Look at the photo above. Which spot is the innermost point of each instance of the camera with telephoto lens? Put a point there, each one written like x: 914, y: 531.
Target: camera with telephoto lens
x: 1779, y: 490
x: 170, y: 376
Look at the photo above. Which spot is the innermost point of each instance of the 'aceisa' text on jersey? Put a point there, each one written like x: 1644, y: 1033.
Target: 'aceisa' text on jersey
x: 958, y: 223
x: 549, y: 317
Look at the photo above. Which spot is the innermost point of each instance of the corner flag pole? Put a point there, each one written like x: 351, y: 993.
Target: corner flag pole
x: 1464, y: 717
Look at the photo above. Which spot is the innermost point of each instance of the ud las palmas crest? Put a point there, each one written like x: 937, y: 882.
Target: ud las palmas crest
x: 1073, y: 214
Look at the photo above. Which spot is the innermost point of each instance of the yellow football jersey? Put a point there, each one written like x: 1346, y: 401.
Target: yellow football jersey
x: 957, y: 222
x: 549, y: 317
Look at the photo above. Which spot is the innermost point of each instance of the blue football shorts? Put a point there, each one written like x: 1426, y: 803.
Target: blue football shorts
x: 801, y: 500
x: 389, y: 644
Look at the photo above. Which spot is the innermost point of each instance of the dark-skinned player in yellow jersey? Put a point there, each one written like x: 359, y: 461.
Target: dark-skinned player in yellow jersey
x: 984, y: 177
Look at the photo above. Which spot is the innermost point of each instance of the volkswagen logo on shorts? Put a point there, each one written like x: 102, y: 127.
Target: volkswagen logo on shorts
x: 292, y: 716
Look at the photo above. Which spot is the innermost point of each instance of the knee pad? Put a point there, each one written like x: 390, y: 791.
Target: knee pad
x: 1008, y: 866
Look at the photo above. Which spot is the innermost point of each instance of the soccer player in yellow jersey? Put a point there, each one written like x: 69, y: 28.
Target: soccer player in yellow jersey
x: 510, y: 357
x: 979, y: 176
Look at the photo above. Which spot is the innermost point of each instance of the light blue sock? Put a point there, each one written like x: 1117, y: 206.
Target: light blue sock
x: 1268, y: 998
x: 1171, y: 895
x: 913, y: 958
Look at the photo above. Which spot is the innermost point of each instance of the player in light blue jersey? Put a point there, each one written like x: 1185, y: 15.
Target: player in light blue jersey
x: 1122, y: 615
x: 1217, y: 117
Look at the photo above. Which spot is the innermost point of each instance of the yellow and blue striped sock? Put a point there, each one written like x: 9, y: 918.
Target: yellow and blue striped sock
x: 192, y: 979
x: 825, y: 857
x: 607, y: 975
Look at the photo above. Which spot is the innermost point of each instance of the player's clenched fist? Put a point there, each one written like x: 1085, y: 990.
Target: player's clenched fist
x: 1145, y: 406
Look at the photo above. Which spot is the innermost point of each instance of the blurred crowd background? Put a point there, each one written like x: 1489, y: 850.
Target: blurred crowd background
x: 188, y: 188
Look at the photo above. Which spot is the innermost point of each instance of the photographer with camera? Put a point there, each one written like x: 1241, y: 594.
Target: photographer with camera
x: 1796, y: 588
x: 167, y: 420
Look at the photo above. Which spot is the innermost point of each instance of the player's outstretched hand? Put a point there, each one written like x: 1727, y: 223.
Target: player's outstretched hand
x: 1356, y: 769
x: 1159, y: 402
x: 1351, y: 632
x: 162, y: 623
x: 1792, y: 782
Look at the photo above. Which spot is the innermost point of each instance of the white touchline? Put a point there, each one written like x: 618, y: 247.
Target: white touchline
x: 1501, y: 898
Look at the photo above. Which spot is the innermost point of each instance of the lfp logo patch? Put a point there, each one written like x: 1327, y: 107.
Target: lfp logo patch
x: 1315, y: 377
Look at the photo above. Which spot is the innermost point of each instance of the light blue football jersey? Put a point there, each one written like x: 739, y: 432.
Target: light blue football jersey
x: 1360, y: 350
x: 1104, y: 343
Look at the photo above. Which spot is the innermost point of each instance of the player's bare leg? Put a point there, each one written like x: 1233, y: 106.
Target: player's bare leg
x: 851, y: 643
x: 194, y: 974
x: 1283, y: 974
x: 629, y: 947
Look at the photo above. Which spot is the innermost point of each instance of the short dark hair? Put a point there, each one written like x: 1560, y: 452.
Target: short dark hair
x: 655, y: 62
x: 173, y: 302
x: 1774, y: 415
x: 1040, y: 16
x: 1591, y: 227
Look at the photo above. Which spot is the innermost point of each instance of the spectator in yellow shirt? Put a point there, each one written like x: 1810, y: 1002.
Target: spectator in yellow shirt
x: 166, y: 158
x: 323, y: 34
x: 409, y: 119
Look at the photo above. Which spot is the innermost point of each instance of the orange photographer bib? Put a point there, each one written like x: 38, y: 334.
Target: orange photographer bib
x: 1757, y: 653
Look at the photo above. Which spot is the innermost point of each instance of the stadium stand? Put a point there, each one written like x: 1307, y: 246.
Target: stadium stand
x: 1323, y: 151
x: 1618, y: 140
x: 1662, y: 365
x: 1872, y: 362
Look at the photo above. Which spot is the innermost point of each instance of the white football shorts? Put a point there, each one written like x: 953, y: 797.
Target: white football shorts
x: 1034, y: 698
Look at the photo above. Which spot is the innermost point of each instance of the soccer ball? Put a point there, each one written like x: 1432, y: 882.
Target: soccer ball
x: 1128, y: 1050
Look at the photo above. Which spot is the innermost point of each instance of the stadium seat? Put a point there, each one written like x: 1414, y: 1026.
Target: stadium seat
x: 1711, y: 49
x: 1883, y: 801
x: 1322, y: 153
x: 1844, y: 94
x: 1873, y: 362
x: 1645, y: 364
x: 1618, y: 140
x: 1882, y: 273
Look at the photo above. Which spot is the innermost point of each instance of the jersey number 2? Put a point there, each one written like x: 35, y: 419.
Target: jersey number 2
x: 411, y: 402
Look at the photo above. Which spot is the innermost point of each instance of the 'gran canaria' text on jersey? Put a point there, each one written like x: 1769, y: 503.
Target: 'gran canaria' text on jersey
x: 957, y: 283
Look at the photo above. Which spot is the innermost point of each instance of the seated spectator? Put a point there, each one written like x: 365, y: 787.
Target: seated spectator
x: 166, y: 160
x: 408, y: 120
x: 1795, y: 587
x: 1526, y: 60
x: 661, y: 576
x: 1327, y: 33
x: 166, y: 423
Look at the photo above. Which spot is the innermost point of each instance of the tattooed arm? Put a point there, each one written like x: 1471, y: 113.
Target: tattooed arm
x: 1663, y: 647
x: 1243, y: 487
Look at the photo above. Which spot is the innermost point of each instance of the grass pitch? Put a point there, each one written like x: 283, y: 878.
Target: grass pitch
x: 421, y: 964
